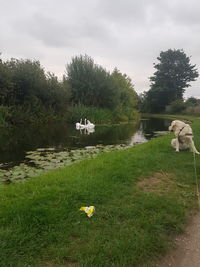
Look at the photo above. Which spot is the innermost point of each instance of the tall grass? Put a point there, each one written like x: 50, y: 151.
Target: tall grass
x: 101, y: 116
x: 5, y: 115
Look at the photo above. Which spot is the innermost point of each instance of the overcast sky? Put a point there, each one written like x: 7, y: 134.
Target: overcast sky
x: 127, y: 34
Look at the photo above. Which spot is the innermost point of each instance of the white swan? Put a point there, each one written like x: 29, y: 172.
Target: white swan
x: 87, y: 125
x: 90, y: 130
x: 90, y: 125
x: 78, y: 124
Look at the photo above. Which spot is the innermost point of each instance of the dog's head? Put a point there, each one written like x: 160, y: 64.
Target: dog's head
x: 174, y: 125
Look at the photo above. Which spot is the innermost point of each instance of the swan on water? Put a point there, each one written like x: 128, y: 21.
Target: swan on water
x: 87, y: 125
x: 90, y: 125
x: 79, y: 125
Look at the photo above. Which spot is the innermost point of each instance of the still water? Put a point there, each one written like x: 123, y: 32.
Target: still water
x: 16, y: 141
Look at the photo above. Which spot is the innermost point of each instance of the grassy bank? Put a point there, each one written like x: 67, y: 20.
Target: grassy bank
x: 142, y: 197
x: 171, y: 116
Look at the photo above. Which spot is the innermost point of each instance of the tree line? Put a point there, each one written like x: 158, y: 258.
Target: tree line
x: 28, y: 91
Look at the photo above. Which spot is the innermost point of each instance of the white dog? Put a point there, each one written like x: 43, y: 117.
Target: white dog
x: 184, y: 135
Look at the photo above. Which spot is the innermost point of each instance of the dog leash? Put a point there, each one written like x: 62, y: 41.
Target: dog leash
x: 196, y: 179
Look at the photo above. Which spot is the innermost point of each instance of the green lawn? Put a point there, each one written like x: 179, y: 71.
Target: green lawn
x: 134, y: 223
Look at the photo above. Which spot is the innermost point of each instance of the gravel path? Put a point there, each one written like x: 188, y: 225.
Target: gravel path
x: 187, y: 252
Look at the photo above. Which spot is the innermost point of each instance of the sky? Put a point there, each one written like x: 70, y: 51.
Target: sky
x: 127, y: 34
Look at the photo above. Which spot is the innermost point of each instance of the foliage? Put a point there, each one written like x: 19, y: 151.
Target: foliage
x: 91, y: 85
x: 28, y: 80
x: 100, y: 115
x: 96, y: 115
x: 191, y: 107
x: 192, y: 110
x: 192, y: 101
x: 6, y: 84
x: 34, y: 95
x: 173, y: 74
x: 176, y: 107
x: 156, y: 100
x: 127, y: 97
x: 31, y: 94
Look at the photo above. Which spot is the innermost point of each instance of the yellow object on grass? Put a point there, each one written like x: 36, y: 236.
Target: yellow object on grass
x: 88, y: 210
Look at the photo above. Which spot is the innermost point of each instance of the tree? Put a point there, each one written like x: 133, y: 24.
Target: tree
x: 173, y: 74
x: 157, y: 99
x: 176, y: 107
x: 28, y: 79
x: 57, y: 94
x: 192, y: 101
x: 127, y: 97
x: 6, y: 85
x: 91, y: 85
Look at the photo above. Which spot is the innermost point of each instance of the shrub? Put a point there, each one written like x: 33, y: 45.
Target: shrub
x: 192, y: 110
x: 177, y: 106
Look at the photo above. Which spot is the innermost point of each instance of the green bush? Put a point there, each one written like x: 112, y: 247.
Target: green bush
x: 39, y: 114
x: 195, y: 110
x: 175, y: 107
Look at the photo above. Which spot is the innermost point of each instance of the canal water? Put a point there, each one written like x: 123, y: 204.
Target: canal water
x: 15, y: 142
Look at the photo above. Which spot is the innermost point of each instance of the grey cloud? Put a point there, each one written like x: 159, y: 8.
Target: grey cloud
x: 61, y: 34
x: 45, y: 29
x: 123, y: 33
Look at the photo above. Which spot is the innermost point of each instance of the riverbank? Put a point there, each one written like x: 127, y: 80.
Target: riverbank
x: 143, y: 196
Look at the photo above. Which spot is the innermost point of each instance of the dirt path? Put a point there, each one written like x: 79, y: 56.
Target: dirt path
x: 187, y: 252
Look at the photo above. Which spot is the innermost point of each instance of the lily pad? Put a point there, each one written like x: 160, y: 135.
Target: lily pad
x: 46, y: 159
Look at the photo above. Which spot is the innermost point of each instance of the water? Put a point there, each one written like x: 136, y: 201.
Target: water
x: 16, y: 141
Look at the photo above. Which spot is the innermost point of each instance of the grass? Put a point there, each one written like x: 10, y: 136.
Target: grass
x: 101, y: 116
x: 41, y: 224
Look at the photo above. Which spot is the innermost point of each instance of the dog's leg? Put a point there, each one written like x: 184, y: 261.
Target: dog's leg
x: 173, y: 143
x: 193, y: 148
x: 177, y: 145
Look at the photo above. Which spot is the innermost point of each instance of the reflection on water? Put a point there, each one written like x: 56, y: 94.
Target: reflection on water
x: 86, y: 130
x: 16, y: 141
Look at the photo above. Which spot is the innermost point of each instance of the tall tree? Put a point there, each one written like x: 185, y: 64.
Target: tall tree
x: 173, y: 75
x: 28, y: 79
x: 91, y: 85
x: 127, y: 97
